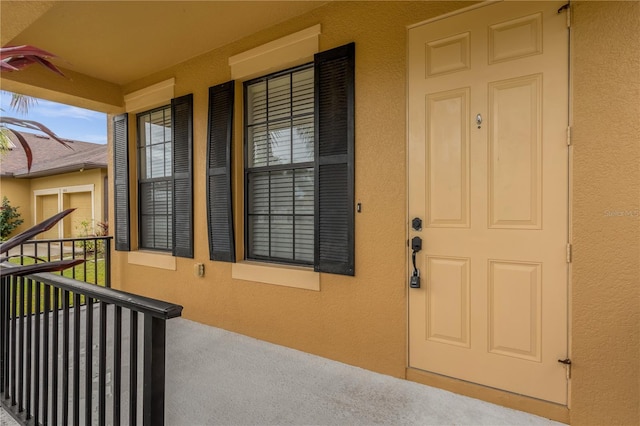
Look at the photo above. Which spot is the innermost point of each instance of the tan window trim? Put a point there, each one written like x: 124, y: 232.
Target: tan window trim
x: 294, y: 49
x: 283, y: 275
x: 150, y: 97
x: 152, y: 259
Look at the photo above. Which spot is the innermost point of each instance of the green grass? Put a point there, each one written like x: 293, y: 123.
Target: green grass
x: 88, y: 268
x: 84, y: 272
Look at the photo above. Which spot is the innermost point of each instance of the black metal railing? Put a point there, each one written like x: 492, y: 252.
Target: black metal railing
x: 70, y: 352
x: 95, y: 251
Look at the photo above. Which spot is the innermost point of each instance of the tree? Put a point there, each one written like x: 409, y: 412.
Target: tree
x: 16, y: 58
x: 9, y: 218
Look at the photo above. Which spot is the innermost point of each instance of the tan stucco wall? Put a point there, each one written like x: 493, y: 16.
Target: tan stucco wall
x: 76, y: 89
x: 85, y: 177
x: 24, y: 188
x: 17, y: 191
x: 362, y: 320
x: 605, y: 294
x: 359, y: 320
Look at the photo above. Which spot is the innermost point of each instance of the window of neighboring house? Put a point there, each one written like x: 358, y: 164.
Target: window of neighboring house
x: 155, y: 179
x: 279, y: 167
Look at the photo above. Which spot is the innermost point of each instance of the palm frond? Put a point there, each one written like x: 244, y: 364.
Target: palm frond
x: 31, y: 125
x: 56, y: 266
x: 16, y: 58
x: 22, y: 103
x: 33, y: 231
x: 27, y: 149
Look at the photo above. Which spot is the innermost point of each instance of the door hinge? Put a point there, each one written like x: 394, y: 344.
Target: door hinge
x: 568, y: 135
x: 569, y: 253
x: 566, y: 7
x: 567, y: 363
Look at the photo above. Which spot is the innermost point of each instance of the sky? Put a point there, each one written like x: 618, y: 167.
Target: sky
x: 68, y: 122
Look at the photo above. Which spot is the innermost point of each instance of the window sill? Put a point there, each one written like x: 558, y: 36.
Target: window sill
x: 288, y: 276
x: 152, y: 259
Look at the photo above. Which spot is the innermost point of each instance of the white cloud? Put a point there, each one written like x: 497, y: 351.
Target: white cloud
x: 66, y: 121
x: 54, y: 110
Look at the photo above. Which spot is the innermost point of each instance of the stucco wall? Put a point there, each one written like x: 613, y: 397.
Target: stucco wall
x: 87, y: 177
x: 605, y: 294
x: 359, y: 320
x: 17, y: 191
x: 362, y: 320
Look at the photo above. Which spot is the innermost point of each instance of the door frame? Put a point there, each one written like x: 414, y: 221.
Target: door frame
x: 535, y: 406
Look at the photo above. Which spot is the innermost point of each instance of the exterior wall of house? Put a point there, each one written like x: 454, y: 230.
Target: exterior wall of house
x: 17, y: 191
x: 605, y: 338
x: 358, y: 320
x: 362, y: 320
x: 61, y: 184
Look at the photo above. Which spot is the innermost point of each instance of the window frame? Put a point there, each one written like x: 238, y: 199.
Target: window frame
x: 168, y: 180
x: 267, y: 169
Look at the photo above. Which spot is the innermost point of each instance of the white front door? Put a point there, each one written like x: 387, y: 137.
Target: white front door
x: 488, y: 176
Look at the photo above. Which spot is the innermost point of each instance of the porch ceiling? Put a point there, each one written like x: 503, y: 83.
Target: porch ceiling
x: 121, y: 41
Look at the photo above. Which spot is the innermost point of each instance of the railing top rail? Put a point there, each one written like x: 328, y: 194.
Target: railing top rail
x: 147, y: 305
x: 57, y: 240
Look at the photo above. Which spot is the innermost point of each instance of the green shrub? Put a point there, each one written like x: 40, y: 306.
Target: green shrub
x: 85, y: 230
x: 9, y: 219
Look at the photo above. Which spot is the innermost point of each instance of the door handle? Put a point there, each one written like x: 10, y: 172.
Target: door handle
x: 416, y: 246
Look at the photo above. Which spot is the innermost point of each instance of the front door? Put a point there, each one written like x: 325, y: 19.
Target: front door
x: 80, y: 222
x: 488, y: 176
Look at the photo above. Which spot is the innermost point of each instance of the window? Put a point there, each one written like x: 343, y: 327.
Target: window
x: 165, y: 182
x: 155, y: 180
x: 279, y: 172
x: 298, y: 166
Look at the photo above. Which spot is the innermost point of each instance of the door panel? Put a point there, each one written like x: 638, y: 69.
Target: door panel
x: 493, y: 194
x: 514, y: 309
x: 515, y: 131
x: 448, y: 300
x: 448, y: 163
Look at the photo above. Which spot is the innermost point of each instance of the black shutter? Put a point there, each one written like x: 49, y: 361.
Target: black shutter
x: 334, y: 171
x: 182, y: 135
x: 121, y: 181
x: 219, y: 201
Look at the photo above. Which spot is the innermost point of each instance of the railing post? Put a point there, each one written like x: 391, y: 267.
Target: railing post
x: 154, y: 371
x: 107, y: 263
x: 4, y: 331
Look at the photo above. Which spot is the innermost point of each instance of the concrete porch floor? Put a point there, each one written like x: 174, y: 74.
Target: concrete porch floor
x: 215, y: 377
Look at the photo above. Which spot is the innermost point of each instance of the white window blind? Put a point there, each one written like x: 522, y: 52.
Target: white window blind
x: 155, y: 179
x: 280, y: 160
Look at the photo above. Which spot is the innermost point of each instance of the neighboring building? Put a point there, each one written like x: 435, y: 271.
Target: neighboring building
x: 300, y: 162
x: 59, y: 178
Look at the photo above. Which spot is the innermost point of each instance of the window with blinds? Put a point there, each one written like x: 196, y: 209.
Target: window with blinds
x: 279, y: 167
x: 155, y: 180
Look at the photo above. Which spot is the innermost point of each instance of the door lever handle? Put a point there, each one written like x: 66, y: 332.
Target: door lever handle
x: 416, y: 246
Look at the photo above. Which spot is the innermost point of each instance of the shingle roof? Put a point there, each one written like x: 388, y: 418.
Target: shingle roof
x: 50, y: 157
